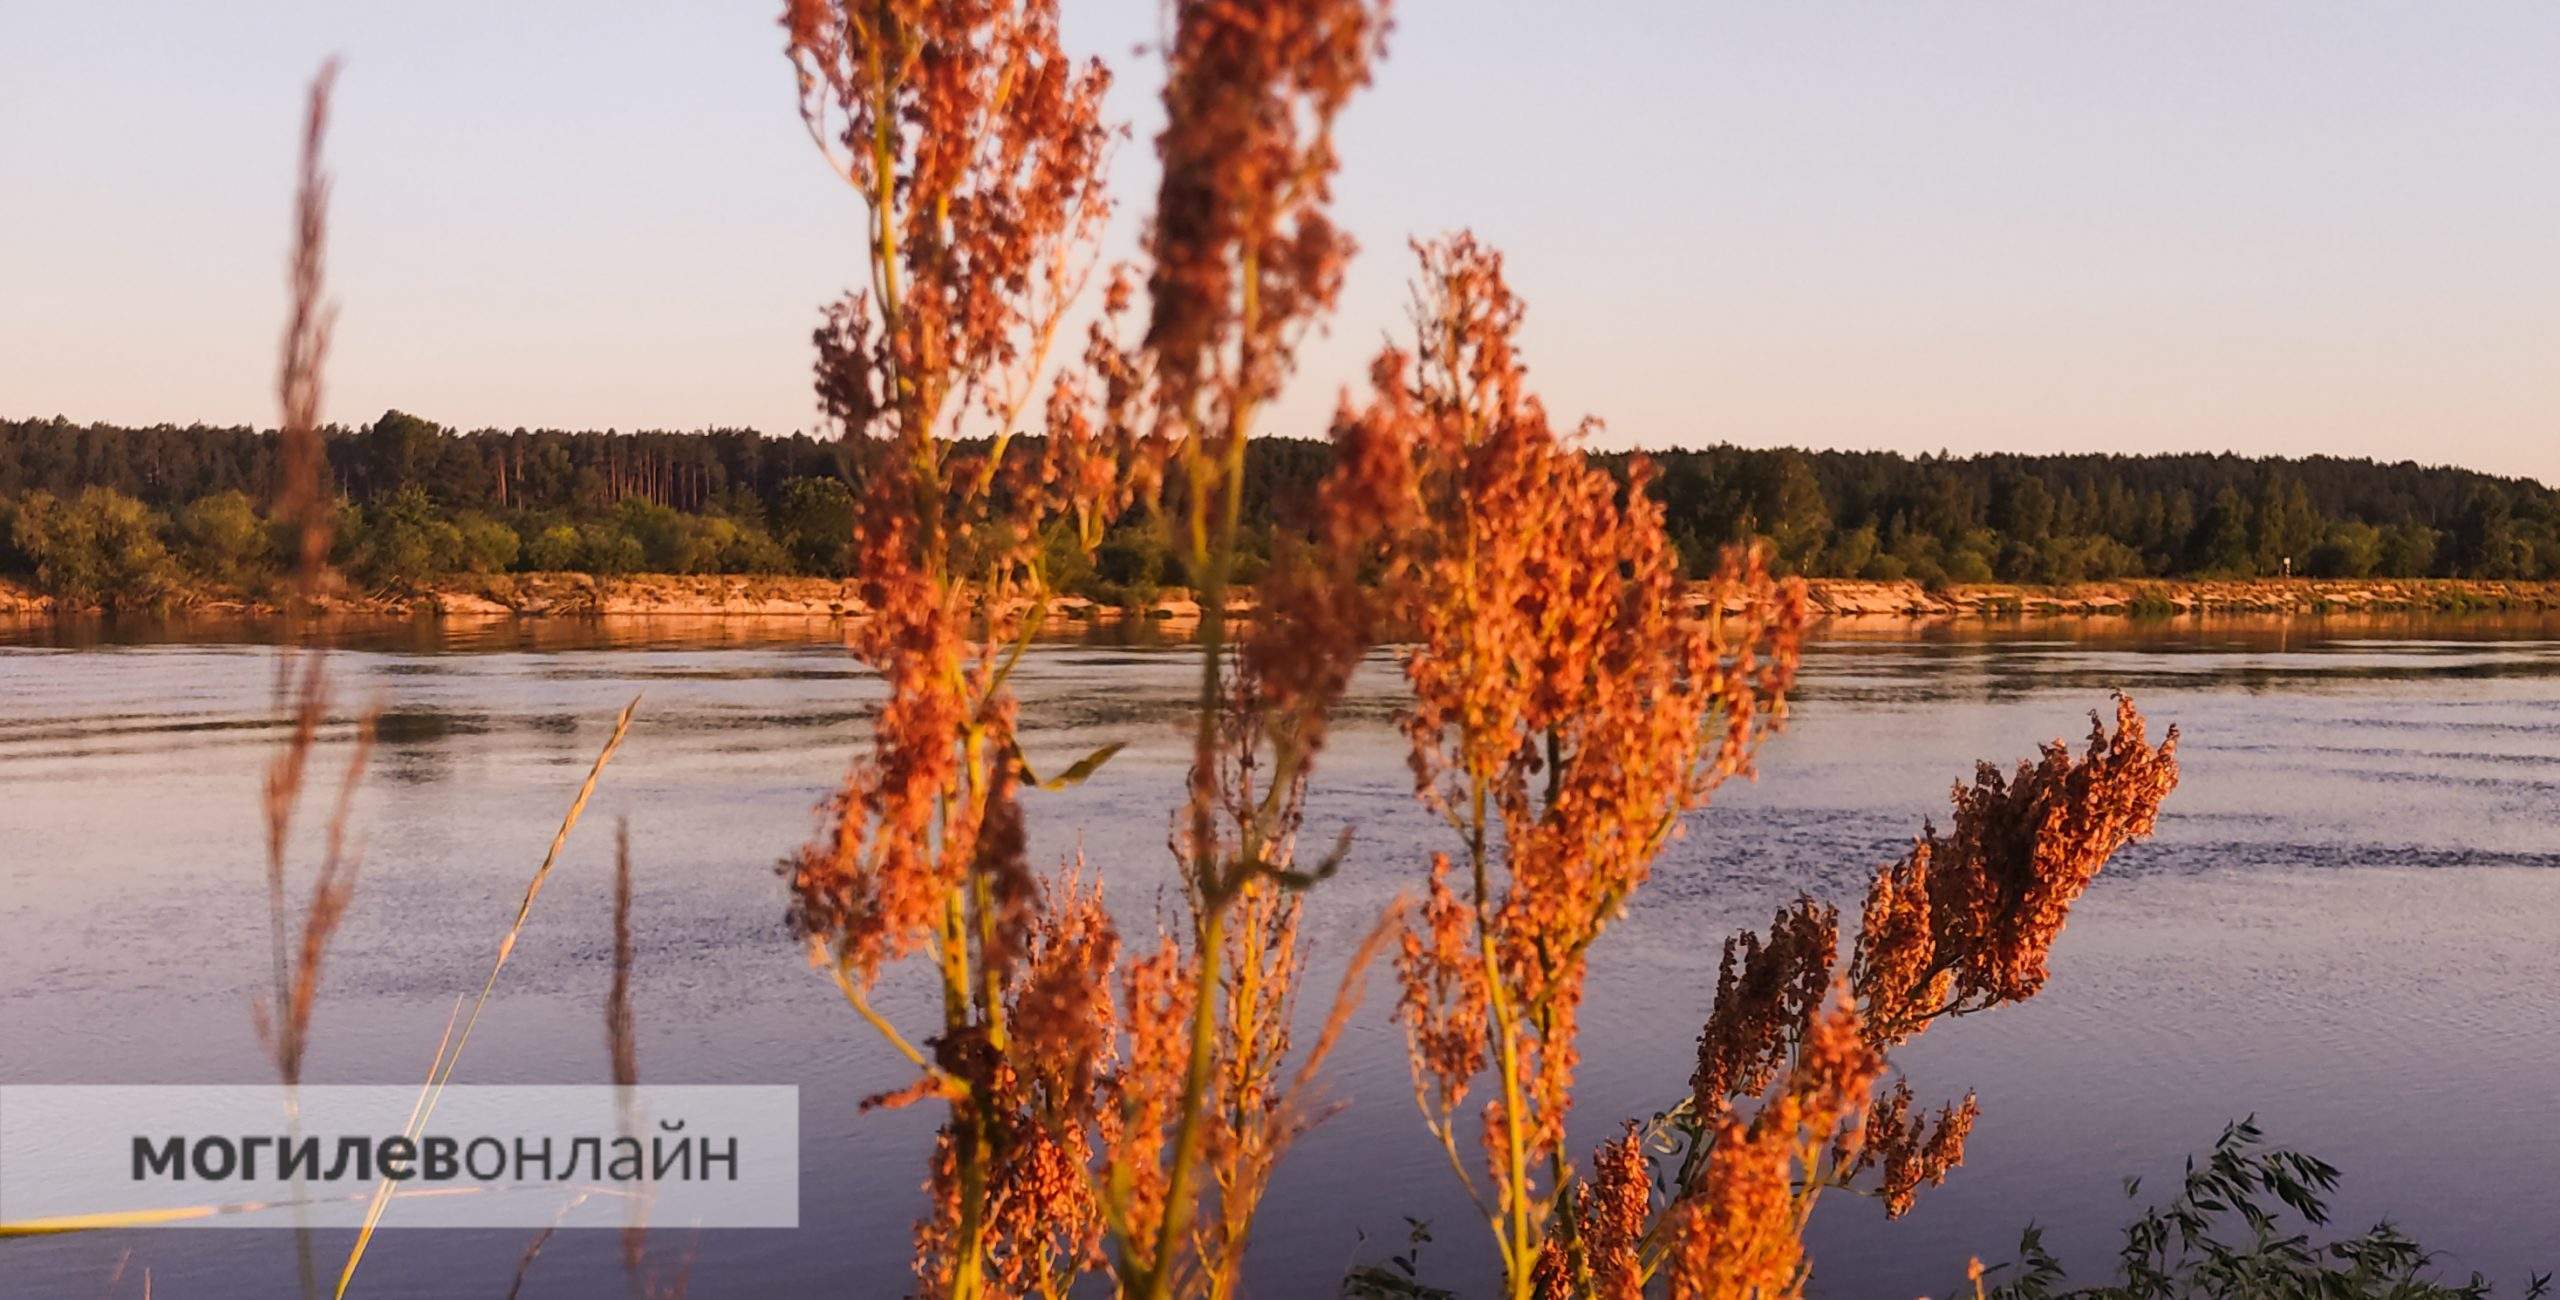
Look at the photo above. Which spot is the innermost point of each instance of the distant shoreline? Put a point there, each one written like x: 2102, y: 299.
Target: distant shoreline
x: 2174, y: 597
x: 578, y: 595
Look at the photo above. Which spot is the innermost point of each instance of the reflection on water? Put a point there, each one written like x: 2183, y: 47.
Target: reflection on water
x: 2343, y: 926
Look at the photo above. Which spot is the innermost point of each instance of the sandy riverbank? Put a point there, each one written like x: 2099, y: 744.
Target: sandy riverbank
x: 577, y: 595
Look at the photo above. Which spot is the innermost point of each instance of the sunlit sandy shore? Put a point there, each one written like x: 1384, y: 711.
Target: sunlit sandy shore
x: 827, y: 600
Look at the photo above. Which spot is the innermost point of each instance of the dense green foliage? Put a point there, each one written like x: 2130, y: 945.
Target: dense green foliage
x: 2049, y: 519
x: 99, y: 545
x: 99, y: 513
x: 106, y: 513
x: 2242, y: 1226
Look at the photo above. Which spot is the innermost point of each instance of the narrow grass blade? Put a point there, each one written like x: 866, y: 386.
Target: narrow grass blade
x: 440, y: 1073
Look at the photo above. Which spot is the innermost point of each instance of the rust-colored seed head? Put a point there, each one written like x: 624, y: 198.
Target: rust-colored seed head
x: 1766, y: 995
x: 1736, y: 1235
x: 1893, y: 967
x: 1967, y: 920
x: 1444, y: 993
x: 1251, y: 95
x: 1909, y: 1150
x: 2020, y: 851
x: 1156, y: 1001
x: 1963, y: 922
x: 1574, y: 697
x: 1046, y: 1222
x: 976, y: 146
x: 1611, y: 1212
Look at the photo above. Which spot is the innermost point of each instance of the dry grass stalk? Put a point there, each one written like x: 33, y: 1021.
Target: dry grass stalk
x: 116, y: 1275
x: 284, y: 1023
x: 302, y: 498
x: 621, y: 1037
x: 299, y: 947
x: 449, y: 1052
x: 648, y: 1280
x: 533, y: 1248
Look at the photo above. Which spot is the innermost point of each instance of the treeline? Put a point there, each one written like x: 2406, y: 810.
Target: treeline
x: 2054, y: 519
x: 126, y: 515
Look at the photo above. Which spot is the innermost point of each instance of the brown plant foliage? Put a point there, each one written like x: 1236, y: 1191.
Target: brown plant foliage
x: 1909, y: 1149
x: 1446, y: 1001
x: 1963, y: 922
x: 976, y: 146
x: 1571, y: 703
x: 1610, y: 1213
x: 301, y: 499
x: 1741, y: 1236
x: 1046, y: 1219
x: 1245, y: 254
x: 1894, y: 966
x: 2021, y: 849
x: 1575, y: 698
x: 977, y: 149
x: 1244, y: 259
x: 1157, y: 994
x: 1767, y: 992
x: 1244, y: 881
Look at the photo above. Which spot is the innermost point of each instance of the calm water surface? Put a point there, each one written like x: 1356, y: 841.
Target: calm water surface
x: 2345, y: 925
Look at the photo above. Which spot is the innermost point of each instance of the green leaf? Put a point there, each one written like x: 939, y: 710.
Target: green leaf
x: 1075, y: 774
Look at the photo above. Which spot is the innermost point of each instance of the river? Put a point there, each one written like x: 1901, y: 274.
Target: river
x: 2345, y: 925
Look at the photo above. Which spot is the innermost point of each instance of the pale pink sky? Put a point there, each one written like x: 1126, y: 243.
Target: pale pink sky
x: 2264, y: 227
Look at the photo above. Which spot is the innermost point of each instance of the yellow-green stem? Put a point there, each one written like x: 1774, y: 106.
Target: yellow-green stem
x: 1518, y: 1250
x: 1213, y: 552
x: 1195, y: 1089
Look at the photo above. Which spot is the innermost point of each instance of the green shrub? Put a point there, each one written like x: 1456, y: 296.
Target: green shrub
x: 2350, y: 550
x: 221, y: 537
x: 814, y: 523
x: 488, y: 545
x: 605, y: 550
x: 755, y: 551
x: 721, y: 544
x: 404, y: 541
x: 1064, y: 560
x: 1130, y: 566
x: 667, y: 544
x: 1850, y: 555
x: 553, y: 549
x: 1968, y: 566
x: 100, y: 546
x: 2240, y: 1228
x: 2150, y: 602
